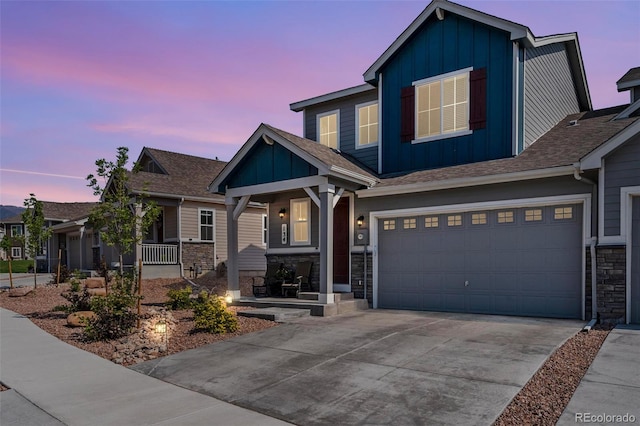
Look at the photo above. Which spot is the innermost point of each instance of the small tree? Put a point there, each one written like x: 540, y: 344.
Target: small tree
x: 121, y: 216
x: 36, y: 232
x: 6, y: 243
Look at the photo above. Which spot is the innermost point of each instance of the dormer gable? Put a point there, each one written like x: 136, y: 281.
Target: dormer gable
x: 147, y: 163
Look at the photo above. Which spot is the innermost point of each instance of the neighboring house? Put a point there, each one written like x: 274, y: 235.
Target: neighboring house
x: 469, y: 167
x: 190, y: 233
x: 54, y: 214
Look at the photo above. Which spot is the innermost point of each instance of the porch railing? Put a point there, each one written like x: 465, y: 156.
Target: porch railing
x: 159, y: 254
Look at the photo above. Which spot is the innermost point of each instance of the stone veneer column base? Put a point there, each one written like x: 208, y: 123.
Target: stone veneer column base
x: 611, y: 287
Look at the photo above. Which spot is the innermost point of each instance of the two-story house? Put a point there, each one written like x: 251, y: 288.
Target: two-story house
x: 188, y: 237
x: 466, y: 174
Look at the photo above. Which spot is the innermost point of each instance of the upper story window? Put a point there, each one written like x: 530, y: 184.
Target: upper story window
x: 206, y: 225
x: 442, y: 105
x: 301, y: 221
x: 328, y: 129
x: 16, y: 230
x: 367, y: 124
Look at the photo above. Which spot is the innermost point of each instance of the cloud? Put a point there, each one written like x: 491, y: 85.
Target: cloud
x: 29, y: 172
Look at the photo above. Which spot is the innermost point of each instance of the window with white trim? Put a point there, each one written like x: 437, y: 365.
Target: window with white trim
x: 206, y: 225
x: 16, y: 230
x: 328, y: 129
x: 442, y: 105
x: 265, y: 229
x: 16, y: 252
x: 367, y: 124
x: 505, y: 216
x: 301, y: 221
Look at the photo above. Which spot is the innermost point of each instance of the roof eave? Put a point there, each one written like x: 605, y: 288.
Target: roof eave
x: 301, y: 105
x: 466, y: 182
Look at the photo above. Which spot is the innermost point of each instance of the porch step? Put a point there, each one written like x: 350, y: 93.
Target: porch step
x: 344, y: 302
x: 275, y: 314
x: 309, y: 295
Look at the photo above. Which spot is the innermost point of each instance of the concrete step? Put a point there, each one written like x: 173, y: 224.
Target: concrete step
x: 275, y: 314
x: 353, y: 305
x: 308, y: 295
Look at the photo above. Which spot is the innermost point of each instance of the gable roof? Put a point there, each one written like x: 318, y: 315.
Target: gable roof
x: 629, y: 80
x: 556, y: 153
x: 187, y: 176
x: 328, y: 161
x: 55, y: 211
x: 517, y: 32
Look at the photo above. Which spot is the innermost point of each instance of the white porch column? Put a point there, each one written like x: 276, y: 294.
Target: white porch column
x: 326, y: 192
x: 233, y: 276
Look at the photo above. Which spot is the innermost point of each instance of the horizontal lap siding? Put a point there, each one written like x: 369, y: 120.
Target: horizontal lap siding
x: 440, y: 47
x: 250, y: 249
x: 189, y: 221
x: 622, y: 168
x: 548, y: 90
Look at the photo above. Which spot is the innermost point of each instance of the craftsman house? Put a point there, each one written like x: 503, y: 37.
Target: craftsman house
x: 468, y: 172
x: 190, y: 235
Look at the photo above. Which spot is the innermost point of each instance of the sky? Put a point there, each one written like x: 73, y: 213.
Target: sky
x: 79, y: 79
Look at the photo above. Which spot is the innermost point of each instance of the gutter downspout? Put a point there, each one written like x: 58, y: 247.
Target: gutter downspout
x: 180, y: 237
x: 592, y: 245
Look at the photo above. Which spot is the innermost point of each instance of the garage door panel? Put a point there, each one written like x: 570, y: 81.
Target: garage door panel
x: 518, y: 268
x: 635, y: 261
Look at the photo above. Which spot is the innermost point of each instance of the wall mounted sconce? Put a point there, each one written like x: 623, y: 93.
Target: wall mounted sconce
x: 360, y: 220
x: 282, y: 212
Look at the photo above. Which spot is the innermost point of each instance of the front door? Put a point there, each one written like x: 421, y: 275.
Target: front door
x: 341, y: 245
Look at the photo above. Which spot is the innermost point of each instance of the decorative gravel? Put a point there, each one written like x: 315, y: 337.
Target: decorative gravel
x: 541, y: 401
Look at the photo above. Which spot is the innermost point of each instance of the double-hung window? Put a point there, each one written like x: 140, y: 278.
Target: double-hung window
x: 367, y: 124
x: 442, y: 105
x: 16, y: 230
x: 329, y: 129
x: 206, y: 225
x: 301, y: 221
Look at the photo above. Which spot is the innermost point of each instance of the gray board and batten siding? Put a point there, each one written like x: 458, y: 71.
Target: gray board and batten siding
x: 620, y: 170
x: 635, y: 262
x: 348, y: 133
x: 549, y: 90
x: 477, y: 264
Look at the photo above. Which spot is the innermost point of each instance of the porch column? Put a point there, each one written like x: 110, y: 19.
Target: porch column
x: 233, y: 278
x: 326, y: 192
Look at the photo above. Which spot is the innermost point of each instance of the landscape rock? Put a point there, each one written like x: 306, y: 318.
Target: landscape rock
x: 20, y: 291
x: 94, y: 283
x: 97, y: 291
x: 77, y: 319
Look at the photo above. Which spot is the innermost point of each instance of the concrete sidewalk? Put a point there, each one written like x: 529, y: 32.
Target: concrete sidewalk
x: 55, y: 383
x: 611, y: 386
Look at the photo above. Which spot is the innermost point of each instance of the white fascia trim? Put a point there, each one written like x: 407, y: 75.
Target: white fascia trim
x: 593, y: 159
x: 517, y: 31
x: 629, y: 110
x: 340, y: 172
x: 628, y: 85
x: 274, y: 187
x: 380, y: 124
x: 301, y: 105
x: 585, y: 199
x: 552, y: 39
x: 292, y: 250
x: 465, y: 182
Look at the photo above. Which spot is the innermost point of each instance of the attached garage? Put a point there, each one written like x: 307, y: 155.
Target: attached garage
x: 635, y: 261
x: 512, y: 261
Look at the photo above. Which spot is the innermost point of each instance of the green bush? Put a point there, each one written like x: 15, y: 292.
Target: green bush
x: 211, y: 315
x: 115, y: 317
x: 79, y: 301
x: 179, y: 298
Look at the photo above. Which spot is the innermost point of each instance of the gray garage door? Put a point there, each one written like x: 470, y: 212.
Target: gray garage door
x: 525, y: 261
x: 635, y: 261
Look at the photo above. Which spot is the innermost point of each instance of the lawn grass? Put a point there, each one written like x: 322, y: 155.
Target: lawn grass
x: 17, y: 266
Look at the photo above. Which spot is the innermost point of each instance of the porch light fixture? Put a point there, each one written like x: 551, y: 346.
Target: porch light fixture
x: 282, y: 213
x: 360, y: 220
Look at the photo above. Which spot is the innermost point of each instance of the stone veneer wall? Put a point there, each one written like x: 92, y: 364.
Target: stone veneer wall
x: 611, y: 283
x: 202, y: 254
x: 291, y: 260
x: 357, y: 276
x: 587, y: 286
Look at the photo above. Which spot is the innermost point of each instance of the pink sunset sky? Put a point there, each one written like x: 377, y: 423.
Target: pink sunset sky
x: 79, y: 79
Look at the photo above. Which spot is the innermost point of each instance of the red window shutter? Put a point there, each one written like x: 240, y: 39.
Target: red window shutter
x: 407, y: 114
x: 478, y: 93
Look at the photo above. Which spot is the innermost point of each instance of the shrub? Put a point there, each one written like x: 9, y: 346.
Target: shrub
x: 211, y: 315
x: 79, y: 301
x: 114, y: 313
x: 179, y: 298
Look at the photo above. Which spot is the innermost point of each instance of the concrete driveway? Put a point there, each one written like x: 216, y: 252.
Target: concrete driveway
x: 373, y: 367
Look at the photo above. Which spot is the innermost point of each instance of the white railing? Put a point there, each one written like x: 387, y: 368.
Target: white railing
x: 159, y: 254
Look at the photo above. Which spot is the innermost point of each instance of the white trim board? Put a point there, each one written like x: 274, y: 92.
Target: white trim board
x: 628, y: 193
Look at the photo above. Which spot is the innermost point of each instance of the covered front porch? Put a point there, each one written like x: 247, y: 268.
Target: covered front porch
x: 309, y: 190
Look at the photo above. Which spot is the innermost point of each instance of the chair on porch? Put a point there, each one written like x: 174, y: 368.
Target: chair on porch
x: 302, y: 278
x: 263, y: 286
